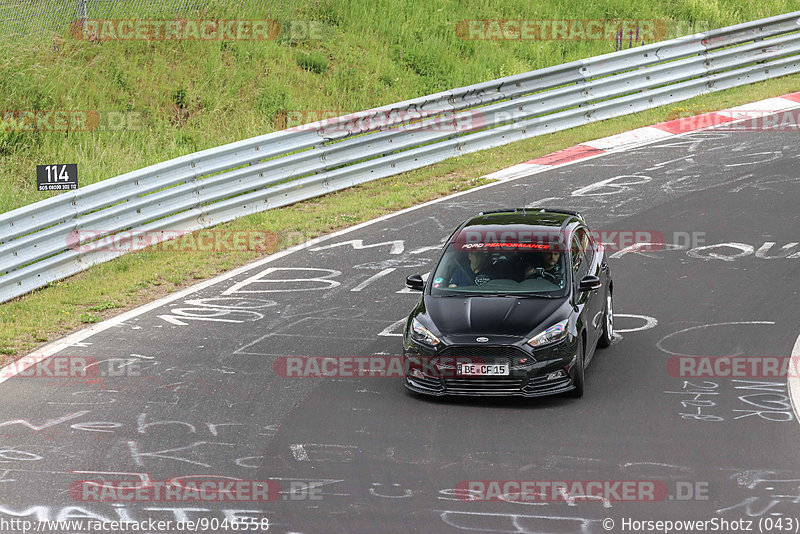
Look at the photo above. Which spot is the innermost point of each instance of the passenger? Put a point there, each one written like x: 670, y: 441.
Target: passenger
x: 480, y: 270
x: 545, y: 264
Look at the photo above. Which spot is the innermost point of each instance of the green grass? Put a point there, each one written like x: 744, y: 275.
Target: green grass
x: 103, y: 306
x: 196, y: 95
x: 88, y: 318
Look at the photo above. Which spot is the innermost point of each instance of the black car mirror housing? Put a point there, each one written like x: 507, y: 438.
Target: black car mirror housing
x: 590, y: 283
x: 415, y: 282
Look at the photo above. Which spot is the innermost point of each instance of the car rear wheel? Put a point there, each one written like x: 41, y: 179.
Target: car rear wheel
x: 578, y: 373
x: 608, y: 324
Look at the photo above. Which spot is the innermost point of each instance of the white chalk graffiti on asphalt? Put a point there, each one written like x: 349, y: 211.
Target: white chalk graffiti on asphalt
x: 520, y: 523
x: 649, y: 322
x: 397, y: 245
x: 216, y: 308
x: 322, y: 452
x: 392, y: 329
x: 611, y: 186
x: 315, y: 283
x: 729, y: 251
x: 372, y: 278
x: 770, y: 402
x: 780, y: 488
x: 374, y: 491
x: 682, y: 333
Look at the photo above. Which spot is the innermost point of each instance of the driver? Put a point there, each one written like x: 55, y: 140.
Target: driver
x: 479, y: 272
x: 549, y: 267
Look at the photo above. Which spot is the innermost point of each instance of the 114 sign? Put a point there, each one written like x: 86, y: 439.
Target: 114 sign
x: 61, y: 177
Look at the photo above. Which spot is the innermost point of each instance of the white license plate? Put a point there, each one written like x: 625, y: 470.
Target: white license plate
x: 464, y: 369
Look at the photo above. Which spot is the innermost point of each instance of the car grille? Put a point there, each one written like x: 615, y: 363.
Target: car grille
x: 495, y: 354
x: 502, y: 354
x: 496, y: 384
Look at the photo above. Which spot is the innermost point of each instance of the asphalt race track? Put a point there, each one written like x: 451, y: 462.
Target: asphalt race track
x: 197, y: 393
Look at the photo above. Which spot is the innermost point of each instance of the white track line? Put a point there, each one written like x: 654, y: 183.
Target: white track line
x: 372, y: 278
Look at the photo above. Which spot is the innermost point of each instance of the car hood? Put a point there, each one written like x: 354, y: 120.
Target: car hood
x: 490, y: 316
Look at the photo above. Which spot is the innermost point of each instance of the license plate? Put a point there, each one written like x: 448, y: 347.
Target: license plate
x: 464, y: 369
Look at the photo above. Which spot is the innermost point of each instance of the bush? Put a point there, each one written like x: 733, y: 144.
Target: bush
x: 179, y: 97
x: 313, y: 62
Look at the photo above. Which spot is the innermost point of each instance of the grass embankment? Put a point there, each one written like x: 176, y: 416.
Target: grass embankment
x: 195, y: 95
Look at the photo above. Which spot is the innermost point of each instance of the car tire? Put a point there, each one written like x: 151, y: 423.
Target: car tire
x: 608, y: 323
x: 578, y: 377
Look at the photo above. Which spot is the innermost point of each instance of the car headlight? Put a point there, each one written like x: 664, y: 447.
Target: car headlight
x: 554, y: 334
x: 422, y: 334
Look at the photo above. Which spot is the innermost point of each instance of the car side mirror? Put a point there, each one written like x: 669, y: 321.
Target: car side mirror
x: 590, y: 283
x: 415, y: 282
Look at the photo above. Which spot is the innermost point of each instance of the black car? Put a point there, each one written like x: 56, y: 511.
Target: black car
x: 516, y: 305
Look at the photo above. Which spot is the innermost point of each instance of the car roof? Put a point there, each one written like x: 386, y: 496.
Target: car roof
x: 516, y: 223
x: 546, y: 218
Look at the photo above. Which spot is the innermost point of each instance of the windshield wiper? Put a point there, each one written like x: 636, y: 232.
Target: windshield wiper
x: 507, y: 295
x: 517, y: 295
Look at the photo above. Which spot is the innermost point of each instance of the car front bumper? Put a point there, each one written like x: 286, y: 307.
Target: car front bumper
x: 533, y: 373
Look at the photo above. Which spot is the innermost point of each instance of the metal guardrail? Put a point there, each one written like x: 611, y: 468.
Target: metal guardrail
x: 37, y: 242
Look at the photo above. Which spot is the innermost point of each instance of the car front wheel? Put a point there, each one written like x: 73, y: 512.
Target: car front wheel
x: 578, y: 373
x: 608, y: 323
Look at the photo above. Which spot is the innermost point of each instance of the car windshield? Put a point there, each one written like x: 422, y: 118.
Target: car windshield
x: 500, y: 269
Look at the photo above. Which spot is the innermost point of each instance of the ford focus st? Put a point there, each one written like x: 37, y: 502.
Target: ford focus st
x: 516, y: 305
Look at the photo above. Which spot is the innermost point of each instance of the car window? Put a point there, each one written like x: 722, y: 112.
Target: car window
x: 514, y: 269
x: 576, y: 253
x: 587, y: 244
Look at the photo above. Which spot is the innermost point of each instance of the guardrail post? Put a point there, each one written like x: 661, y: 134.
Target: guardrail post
x: 82, y: 11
